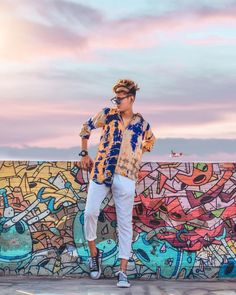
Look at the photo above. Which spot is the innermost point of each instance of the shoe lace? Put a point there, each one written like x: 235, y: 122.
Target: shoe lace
x: 121, y: 276
x: 93, y: 263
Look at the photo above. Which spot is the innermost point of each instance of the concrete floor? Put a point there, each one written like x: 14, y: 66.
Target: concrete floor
x: 72, y: 286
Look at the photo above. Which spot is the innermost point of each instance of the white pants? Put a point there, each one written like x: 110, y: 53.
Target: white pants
x: 123, y: 192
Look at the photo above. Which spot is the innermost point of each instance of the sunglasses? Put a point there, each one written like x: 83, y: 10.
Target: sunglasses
x: 117, y: 100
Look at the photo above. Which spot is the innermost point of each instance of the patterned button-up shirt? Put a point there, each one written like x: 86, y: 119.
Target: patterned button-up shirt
x: 120, y: 147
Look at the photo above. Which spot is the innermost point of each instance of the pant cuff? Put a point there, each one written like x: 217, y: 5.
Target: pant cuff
x: 91, y: 239
x: 124, y: 257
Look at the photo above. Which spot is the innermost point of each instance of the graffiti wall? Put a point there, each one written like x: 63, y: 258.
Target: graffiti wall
x: 184, y: 221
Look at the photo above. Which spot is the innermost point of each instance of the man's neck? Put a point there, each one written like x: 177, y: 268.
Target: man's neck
x: 127, y: 114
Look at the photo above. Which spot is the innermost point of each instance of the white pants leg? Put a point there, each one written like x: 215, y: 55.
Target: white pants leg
x: 96, y: 194
x: 123, y: 192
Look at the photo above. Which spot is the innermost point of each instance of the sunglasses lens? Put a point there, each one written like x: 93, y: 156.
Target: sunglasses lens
x: 115, y: 101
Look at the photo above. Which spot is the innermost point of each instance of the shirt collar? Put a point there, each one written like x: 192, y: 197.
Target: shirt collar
x: 137, y: 114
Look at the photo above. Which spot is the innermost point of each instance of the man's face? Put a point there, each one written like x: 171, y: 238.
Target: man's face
x: 126, y: 101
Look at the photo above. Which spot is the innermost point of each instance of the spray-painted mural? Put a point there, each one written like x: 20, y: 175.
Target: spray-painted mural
x: 184, y: 221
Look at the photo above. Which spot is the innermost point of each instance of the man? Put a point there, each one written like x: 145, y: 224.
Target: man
x: 125, y: 136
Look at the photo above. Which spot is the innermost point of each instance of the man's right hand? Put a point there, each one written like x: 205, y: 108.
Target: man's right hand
x: 85, y: 163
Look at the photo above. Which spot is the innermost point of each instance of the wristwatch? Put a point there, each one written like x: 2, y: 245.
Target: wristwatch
x: 83, y: 153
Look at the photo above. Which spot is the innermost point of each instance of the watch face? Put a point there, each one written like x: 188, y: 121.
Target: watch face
x: 83, y: 153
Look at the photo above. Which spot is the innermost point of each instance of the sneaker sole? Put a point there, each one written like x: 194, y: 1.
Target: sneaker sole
x: 95, y: 277
x: 123, y: 285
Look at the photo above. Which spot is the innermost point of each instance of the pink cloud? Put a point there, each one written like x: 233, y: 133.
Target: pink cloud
x: 46, y: 28
x: 43, y: 130
x: 137, y: 32
x: 45, y: 124
x: 37, y: 108
x: 67, y: 11
x: 24, y: 39
x: 212, y: 40
x: 172, y: 107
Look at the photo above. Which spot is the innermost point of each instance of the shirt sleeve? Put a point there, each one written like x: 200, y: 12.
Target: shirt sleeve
x: 149, y: 139
x: 96, y: 121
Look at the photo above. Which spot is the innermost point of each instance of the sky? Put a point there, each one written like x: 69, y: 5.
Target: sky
x: 59, y: 60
